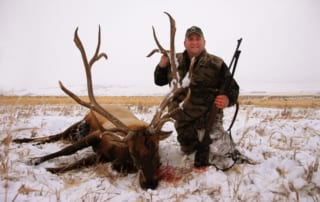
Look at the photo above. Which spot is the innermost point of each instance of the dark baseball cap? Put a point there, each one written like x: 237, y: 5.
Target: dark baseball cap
x: 194, y: 30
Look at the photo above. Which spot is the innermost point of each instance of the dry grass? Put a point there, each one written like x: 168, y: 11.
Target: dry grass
x: 304, y: 101
x: 32, y: 100
x: 256, y: 100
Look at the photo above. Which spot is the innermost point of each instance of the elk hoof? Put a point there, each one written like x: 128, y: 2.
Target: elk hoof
x: 53, y: 170
x: 34, y: 161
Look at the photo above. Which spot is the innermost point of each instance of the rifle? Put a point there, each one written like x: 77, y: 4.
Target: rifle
x: 202, y: 153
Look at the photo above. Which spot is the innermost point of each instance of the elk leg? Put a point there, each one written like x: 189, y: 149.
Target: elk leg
x: 89, y: 140
x: 88, y: 161
x: 73, y: 133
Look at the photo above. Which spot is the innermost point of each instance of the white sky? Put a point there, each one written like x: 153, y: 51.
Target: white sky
x: 280, y: 48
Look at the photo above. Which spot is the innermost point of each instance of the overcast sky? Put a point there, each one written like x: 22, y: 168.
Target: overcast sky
x: 280, y: 48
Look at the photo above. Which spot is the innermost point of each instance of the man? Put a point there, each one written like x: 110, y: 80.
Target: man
x: 209, y: 74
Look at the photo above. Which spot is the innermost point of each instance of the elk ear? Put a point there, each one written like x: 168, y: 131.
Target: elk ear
x: 163, y: 134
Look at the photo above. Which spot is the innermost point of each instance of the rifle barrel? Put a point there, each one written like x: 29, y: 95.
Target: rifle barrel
x: 235, y: 53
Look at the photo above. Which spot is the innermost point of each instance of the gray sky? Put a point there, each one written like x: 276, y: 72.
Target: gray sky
x: 280, y: 48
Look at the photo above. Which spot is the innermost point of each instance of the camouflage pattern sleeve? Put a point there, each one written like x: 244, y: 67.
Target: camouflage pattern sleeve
x: 161, y: 76
x: 231, y: 88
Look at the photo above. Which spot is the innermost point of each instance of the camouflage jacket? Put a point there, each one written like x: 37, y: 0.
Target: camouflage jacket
x: 210, y: 73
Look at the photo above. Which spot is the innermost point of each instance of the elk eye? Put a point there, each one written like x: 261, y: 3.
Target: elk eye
x: 150, y: 144
x: 134, y: 152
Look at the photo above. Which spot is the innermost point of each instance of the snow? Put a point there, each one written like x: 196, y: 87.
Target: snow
x: 283, y: 142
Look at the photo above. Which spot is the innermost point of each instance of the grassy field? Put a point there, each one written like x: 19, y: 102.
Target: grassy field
x: 256, y: 100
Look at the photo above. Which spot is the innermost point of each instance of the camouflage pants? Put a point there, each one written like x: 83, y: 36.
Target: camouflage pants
x: 187, y: 137
x: 190, y: 134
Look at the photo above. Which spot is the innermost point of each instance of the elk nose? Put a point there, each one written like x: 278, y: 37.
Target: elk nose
x: 151, y: 184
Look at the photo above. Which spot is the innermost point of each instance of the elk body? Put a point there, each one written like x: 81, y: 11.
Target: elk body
x: 127, y: 151
x: 113, y: 132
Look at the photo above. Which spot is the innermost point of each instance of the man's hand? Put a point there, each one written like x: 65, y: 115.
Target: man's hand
x: 221, y: 101
x: 164, y: 61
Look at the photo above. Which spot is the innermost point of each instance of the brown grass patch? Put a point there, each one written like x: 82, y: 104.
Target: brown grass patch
x: 303, y: 101
x: 134, y: 100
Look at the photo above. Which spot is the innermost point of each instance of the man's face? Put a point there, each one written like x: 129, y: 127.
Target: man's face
x: 194, y: 44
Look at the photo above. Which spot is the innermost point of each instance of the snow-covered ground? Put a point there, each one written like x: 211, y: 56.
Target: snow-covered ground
x: 284, y: 142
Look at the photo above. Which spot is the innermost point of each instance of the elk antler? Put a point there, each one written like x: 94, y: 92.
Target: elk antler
x: 93, y: 105
x: 159, y: 118
x: 172, y: 54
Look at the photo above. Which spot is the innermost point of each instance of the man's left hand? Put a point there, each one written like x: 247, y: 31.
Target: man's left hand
x: 221, y: 101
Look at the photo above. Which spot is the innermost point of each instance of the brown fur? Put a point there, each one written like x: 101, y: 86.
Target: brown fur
x: 119, y: 111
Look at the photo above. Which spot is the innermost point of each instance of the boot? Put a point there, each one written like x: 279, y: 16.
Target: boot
x: 201, y: 158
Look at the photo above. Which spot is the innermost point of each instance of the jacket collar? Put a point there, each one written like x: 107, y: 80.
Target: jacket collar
x: 187, y: 59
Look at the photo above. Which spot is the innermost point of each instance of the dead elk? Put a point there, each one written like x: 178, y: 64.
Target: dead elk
x: 113, y: 132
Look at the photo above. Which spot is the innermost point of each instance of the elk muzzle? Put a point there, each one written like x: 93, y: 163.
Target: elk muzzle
x: 144, y: 150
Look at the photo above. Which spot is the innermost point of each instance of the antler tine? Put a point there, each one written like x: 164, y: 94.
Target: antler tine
x: 93, y: 105
x: 87, y: 66
x: 160, y: 48
x: 97, y: 56
x: 172, y: 57
x: 153, y: 52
